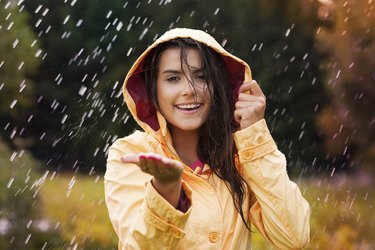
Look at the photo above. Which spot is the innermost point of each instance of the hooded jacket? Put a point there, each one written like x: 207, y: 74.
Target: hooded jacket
x: 143, y: 219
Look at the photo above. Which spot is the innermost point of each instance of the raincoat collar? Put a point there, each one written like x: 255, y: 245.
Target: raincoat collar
x: 134, y: 88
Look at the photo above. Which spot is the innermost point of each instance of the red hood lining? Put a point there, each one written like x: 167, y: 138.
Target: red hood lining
x: 145, y: 109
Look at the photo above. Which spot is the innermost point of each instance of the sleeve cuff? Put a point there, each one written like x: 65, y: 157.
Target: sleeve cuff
x: 162, y: 214
x: 254, y: 142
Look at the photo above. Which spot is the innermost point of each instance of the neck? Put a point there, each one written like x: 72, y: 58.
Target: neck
x: 186, y: 143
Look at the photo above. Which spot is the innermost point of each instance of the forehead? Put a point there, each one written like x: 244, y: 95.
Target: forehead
x: 171, y: 58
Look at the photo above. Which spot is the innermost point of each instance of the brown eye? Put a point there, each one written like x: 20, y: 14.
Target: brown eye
x: 201, y: 77
x: 173, y: 78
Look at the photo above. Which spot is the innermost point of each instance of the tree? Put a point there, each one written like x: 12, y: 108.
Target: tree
x: 19, y: 59
x: 348, y: 123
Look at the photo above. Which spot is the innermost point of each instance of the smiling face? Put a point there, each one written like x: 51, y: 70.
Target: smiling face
x: 182, y: 93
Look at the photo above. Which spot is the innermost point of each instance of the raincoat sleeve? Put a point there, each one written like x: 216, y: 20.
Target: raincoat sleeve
x: 280, y: 212
x: 141, y: 217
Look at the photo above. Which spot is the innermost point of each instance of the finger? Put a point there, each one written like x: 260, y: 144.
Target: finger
x: 255, y: 89
x: 251, y: 88
x: 245, y: 87
x: 237, y: 115
x: 152, y: 162
x: 130, y: 158
x: 243, y: 97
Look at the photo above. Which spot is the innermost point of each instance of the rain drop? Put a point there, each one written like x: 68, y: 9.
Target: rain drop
x: 338, y: 74
x: 10, y: 182
x: 64, y: 118
x: 38, y: 8
x: 13, y: 103
x: 27, y: 239
x: 80, y: 21
x: 143, y: 34
x: 38, y: 22
x: 10, y: 25
x: 21, y: 65
x: 15, y: 43
x: 66, y: 19
x: 45, y: 12
x: 37, y: 54
x: 82, y: 90
x: 119, y: 26
x: 72, y: 182
x: 129, y: 51
x: 287, y: 32
x: 109, y: 14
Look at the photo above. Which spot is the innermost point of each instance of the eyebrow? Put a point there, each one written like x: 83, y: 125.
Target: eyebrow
x: 171, y: 71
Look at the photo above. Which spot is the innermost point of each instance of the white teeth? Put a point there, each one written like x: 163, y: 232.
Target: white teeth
x: 189, y: 106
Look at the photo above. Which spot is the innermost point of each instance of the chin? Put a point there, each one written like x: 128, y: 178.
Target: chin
x: 189, y: 127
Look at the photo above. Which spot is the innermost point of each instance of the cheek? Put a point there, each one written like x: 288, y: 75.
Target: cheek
x: 163, y: 97
x: 159, y: 93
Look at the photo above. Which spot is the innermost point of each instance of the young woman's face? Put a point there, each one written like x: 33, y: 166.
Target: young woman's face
x: 184, y: 106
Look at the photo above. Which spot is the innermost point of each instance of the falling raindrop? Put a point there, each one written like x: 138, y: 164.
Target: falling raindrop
x: 82, y: 90
x: 15, y: 43
x: 79, y: 22
x: 66, y: 19
x: 338, y: 74
x: 129, y: 51
x: 38, y: 8
x: 287, y: 32
x: 10, y: 182
x: 21, y: 65
x: 224, y: 42
x: 27, y: 238
x: 64, y: 119
x: 119, y: 26
x: 109, y: 14
x: 45, y: 12
x: 143, y: 34
x: 38, y: 23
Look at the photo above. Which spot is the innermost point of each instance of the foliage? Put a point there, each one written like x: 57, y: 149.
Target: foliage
x: 18, y: 61
x: 348, y: 38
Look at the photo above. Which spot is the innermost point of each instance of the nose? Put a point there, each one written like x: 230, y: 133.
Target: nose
x: 188, y: 88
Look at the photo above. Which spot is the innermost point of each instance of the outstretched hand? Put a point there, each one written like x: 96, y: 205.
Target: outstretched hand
x: 251, y: 104
x: 166, y: 173
x: 163, y: 169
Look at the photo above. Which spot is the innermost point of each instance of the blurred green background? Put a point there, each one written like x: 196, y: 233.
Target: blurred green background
x: 62, y: 63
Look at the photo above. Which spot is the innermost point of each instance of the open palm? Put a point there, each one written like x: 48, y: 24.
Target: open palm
x: 163, y: 169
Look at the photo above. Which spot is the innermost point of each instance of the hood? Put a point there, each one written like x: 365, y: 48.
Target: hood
x: 134, y: 88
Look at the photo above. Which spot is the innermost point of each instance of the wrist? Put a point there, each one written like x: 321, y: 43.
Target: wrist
x: 169, y: 190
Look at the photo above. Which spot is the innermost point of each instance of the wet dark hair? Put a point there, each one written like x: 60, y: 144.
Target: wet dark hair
x: 215, y: 146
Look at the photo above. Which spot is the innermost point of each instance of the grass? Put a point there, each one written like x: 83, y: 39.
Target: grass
x: 342, y: 212
x: 75, y: 204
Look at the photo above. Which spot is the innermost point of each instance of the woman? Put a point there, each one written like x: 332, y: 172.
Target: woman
x: 206, y: 166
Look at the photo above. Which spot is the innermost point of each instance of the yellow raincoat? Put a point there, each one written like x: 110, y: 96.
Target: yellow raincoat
x: 143, y: 219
